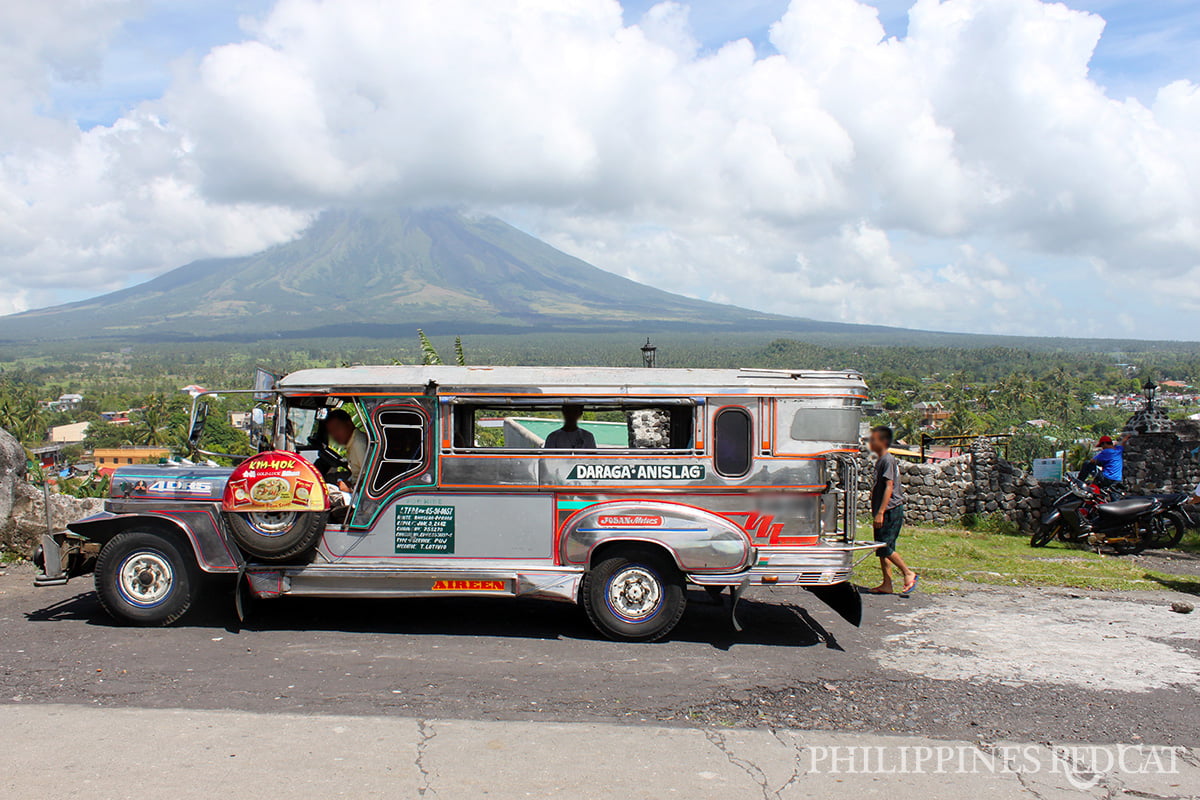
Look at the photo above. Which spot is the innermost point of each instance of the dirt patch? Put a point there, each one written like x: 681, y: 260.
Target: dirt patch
x: 1096, y: 643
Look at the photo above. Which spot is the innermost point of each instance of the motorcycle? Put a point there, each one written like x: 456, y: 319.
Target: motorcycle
x: 1064, y: 520
x: 1086, y: 513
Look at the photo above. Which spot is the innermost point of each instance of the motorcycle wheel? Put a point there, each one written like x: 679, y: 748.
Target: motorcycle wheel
x: 1167, y: 530
x: 1044, y: 535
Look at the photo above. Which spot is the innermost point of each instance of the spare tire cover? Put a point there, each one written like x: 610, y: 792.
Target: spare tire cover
x: 275, y: 481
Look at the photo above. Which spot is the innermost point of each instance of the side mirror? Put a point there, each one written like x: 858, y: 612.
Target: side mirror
x: 196, y: 429
x: 257, y: 417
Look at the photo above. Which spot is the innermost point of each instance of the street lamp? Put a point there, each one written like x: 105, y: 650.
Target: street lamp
x: 648, y: 351
x: 1149, y: 387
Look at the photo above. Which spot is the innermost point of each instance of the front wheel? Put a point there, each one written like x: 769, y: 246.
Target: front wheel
x: 1044, y: 534
x: 145, y: 579
x: 635, y: 595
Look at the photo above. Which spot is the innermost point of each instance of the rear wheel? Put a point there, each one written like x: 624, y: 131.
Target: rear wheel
x: 634, y: 595
x: 1167, y: 530
x: 277, y: 535
x: 144, y: 578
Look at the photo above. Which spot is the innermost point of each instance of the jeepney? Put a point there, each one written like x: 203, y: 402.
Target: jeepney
x: 720, y: 479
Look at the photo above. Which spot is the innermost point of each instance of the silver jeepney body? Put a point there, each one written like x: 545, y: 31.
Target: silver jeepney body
x: 471, y: 520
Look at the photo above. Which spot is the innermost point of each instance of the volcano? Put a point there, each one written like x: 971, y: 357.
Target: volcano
x: 356, y: 274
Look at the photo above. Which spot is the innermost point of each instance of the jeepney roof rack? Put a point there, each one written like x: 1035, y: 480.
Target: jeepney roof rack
x: 796, y: 374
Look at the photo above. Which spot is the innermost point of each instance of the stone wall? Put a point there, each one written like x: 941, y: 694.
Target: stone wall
x: 977, y: 482
x: 980, y: 482
x: 1164, y: 462
x: 23, y: 506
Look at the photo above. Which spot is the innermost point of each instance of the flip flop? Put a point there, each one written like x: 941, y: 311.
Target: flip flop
x: 909, y: 589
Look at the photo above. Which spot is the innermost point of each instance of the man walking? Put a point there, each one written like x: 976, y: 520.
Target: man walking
x: 887, y: 512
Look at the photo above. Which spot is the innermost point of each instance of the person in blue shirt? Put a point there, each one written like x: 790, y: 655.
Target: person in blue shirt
x: 1109, y: 463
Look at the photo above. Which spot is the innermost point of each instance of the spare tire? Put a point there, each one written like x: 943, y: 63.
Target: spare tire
x: 277, y: 535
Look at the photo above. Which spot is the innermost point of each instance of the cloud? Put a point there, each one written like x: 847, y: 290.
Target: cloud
x: 847, y: 175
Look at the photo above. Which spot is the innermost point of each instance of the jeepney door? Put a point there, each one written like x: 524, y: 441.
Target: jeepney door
x: 404, y: 510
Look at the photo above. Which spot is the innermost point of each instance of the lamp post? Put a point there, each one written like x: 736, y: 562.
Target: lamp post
x: 1149, y: 387
x: 648, y: 353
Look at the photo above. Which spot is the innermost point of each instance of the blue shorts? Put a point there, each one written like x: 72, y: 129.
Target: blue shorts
x: 893, y: 520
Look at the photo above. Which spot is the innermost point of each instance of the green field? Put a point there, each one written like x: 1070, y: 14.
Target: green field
x: 950, y: 557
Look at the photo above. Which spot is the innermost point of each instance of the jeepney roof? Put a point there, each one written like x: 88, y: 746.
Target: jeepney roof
x: 571, y: 380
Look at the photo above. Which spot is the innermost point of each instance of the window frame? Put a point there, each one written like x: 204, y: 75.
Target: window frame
x: 749, y: 440
x: 378, y: 440
x: 458, y: 405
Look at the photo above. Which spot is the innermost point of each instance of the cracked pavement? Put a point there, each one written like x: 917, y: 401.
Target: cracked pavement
x: 489, y: 698
x: 133, y: 753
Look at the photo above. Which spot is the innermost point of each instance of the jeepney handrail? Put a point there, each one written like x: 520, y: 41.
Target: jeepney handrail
x: 848, y: 480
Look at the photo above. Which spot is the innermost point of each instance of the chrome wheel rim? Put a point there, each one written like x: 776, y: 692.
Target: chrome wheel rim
x: 145, y: 578
x: 272, y: 523
x: 634, y: 593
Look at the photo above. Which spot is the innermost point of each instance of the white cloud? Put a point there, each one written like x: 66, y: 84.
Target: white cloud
x: 791, y: 182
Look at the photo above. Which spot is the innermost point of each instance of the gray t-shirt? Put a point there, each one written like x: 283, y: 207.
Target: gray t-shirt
x: 578, y: 439
x: 887, y: 468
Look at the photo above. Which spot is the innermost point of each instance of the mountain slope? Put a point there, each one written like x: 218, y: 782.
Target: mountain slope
x: 354, y: 274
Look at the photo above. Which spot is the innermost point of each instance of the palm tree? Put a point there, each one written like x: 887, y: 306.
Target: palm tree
x: 154, y: 422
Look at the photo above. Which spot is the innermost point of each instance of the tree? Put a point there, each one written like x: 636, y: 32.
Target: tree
x: 104, y: 434
x: 429, y: 355
x: 154, y: 426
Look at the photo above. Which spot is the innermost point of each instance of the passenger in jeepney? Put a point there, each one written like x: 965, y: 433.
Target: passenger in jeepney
x: 341, y: 429
x: 570, y: 436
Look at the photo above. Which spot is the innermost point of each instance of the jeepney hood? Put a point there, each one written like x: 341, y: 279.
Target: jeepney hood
x: 169, y: 482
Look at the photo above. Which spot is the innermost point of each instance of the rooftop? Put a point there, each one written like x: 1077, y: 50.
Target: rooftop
x: 568, y: 380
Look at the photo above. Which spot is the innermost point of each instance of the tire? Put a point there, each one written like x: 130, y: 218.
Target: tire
x: 1043, y: 535
x: 634, y: 595
x: 1168, y: 530
x: 277, y: 536
x: 145, y: 579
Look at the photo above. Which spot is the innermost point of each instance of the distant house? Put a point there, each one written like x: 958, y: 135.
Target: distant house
x: 931, y: 413
x: 69, y: 434
x: 65, y: 402
x: 107, y: 459
x: 193, y: 389
x: 116, y: 417
x: 1038, y: 423
x: 240, y: 420
x: 47, y: 456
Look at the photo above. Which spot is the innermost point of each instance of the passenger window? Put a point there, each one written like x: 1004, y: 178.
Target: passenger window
x: 732, y: 442
x: 402, y: 451
x: 628, y: 425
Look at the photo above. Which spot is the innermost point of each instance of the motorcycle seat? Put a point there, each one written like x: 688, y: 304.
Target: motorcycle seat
x: 1129, y: 507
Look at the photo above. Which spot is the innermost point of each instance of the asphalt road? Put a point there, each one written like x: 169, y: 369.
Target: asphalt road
x: 796, y: 665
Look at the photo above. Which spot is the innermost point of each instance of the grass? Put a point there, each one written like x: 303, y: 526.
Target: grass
x: 945, y: 557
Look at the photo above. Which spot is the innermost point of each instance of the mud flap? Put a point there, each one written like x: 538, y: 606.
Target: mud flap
x: 842, y: 598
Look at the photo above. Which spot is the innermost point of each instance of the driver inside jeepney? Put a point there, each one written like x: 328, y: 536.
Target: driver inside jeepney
x: 341, y: 429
